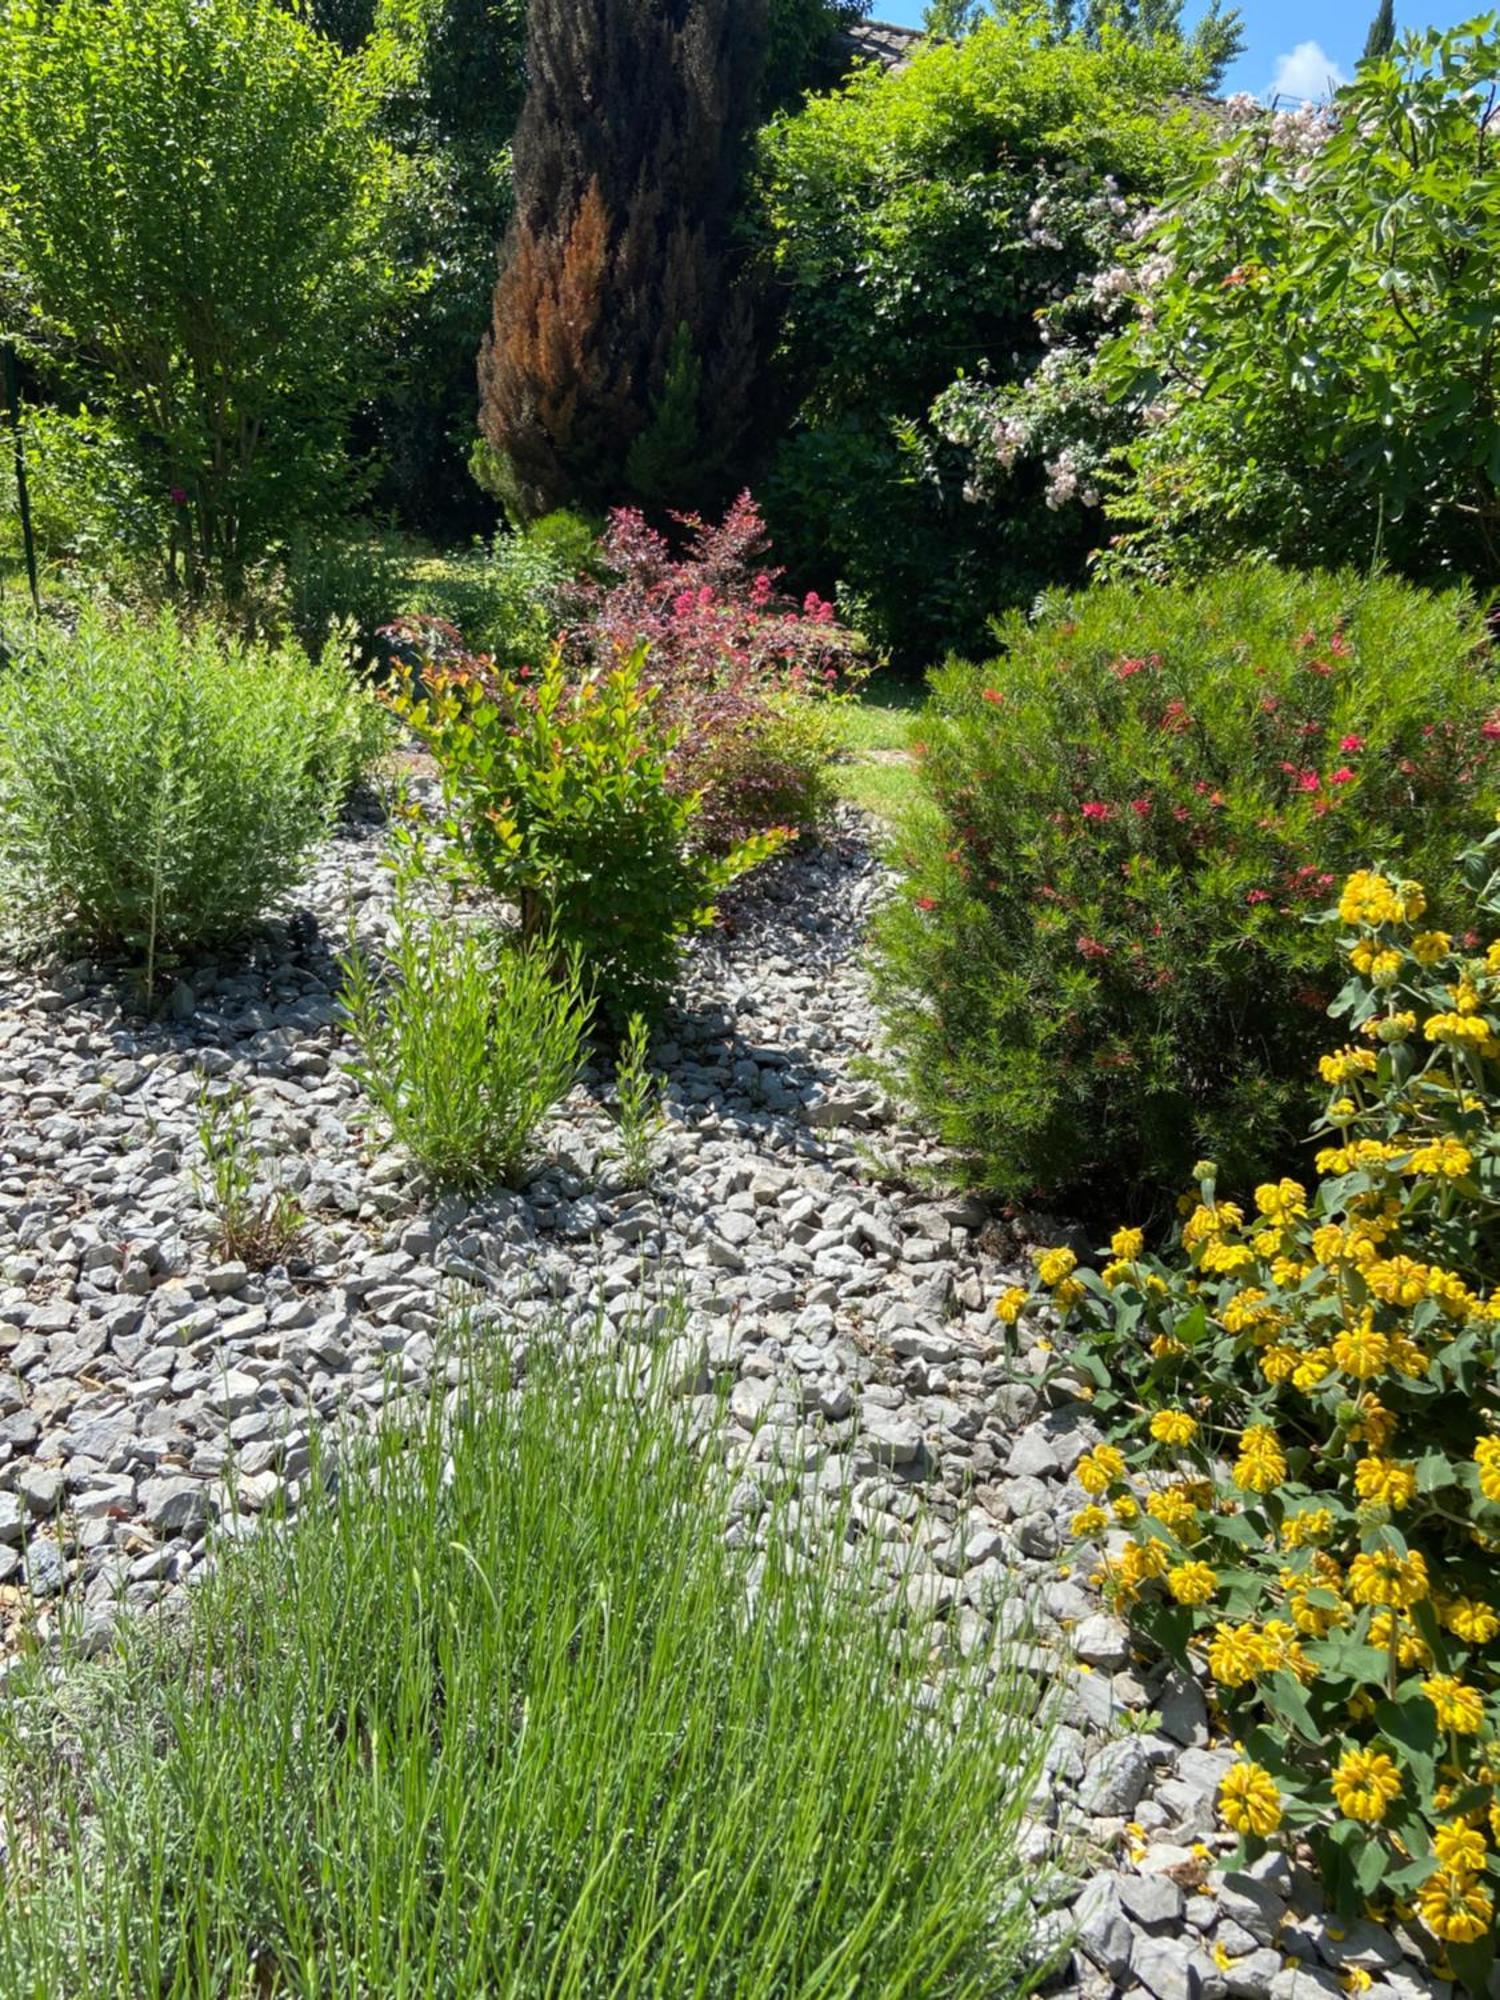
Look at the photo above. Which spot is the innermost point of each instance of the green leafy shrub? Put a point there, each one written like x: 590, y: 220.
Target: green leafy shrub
x: 508, y: 600
x: 562, y: 804
x: 507, y: 1713
x: 467, y: 1045
x: 94, y: 519
x: 1305, y: 1400
x: 918, y: 223
x: 160, y: 784
x: 333, y: 587
x: 1301, y: 351
x: 1088, y: 971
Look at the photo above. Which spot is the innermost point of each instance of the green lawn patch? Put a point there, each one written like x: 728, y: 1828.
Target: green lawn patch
x: 874, y: 768
x: 506, y: 1716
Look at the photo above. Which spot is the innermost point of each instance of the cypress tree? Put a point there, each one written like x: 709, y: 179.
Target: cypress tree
x: 620, y: 296
x: 1382, y: 35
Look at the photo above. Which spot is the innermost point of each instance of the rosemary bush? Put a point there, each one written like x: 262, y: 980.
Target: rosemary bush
x: 161, y: 785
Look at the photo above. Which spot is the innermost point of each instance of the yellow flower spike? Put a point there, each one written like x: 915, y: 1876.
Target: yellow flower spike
x: 1459, y: 1707
x: 1261, y: 1465
x: 1471, y: 1620
x: 1010, y: 1304
x: 1487, y: 1458
x: 1128, y: 1243
x: 1052, y: 1266
x: 1370, y: 898
x: 1347, y: 1063
x: 1173, y: 1427
x: 1192, y: 1582
x: 1381, y: 1577
x: 1460, y: 1847
x: 1098, y: 1469
x: 1386, y: 1480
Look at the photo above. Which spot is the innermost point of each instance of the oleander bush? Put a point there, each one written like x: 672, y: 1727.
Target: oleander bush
x: 1093, y: 972
x: 561, y: 802
x: 1301, y: 1495
x: 465, y: 1042
x: 161, y: 784
x: 505, y: 1712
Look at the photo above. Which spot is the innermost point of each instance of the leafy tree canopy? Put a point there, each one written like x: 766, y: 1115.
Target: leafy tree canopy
x: 1217, y: 37
x: 195, y: 209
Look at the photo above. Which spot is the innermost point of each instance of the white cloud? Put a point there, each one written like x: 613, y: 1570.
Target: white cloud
x: 1306, y: 72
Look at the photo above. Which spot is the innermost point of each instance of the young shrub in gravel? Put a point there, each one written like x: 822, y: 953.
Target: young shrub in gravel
x: 161, y: 785
x: 1304, y: 1395
x: 562, y: 802
x: 1093, y: 971
x: 506, y: 1714
x: 467, y: 1045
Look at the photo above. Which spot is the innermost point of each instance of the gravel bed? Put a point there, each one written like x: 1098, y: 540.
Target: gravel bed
x: 148, y: 1390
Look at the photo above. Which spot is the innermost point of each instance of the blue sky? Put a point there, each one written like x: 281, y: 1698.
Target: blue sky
x: 1292, y: 48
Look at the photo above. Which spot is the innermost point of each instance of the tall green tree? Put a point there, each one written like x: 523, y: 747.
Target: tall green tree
x: 196, y: 209
x: 1315, y: 374
x: 1382, y: 36
x: 619, y: 300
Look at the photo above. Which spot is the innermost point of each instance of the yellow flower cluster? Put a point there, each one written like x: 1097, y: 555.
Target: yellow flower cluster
x: 1456, y: 1907
x: 1337, y: 1349
x: 1249, y: 1801
x: 1365, y: 1784
x: 1371, y: 900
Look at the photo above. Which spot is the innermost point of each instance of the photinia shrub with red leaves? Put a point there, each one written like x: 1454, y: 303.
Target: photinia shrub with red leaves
x: 1094, y: 973
x: 745, y: 671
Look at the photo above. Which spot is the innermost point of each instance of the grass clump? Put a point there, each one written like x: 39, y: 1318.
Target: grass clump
x: 256, y: 1218
x: 638, y: 1108
x: 467, y: 1044
x: 507, y: 1716
x: 161, y: 785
